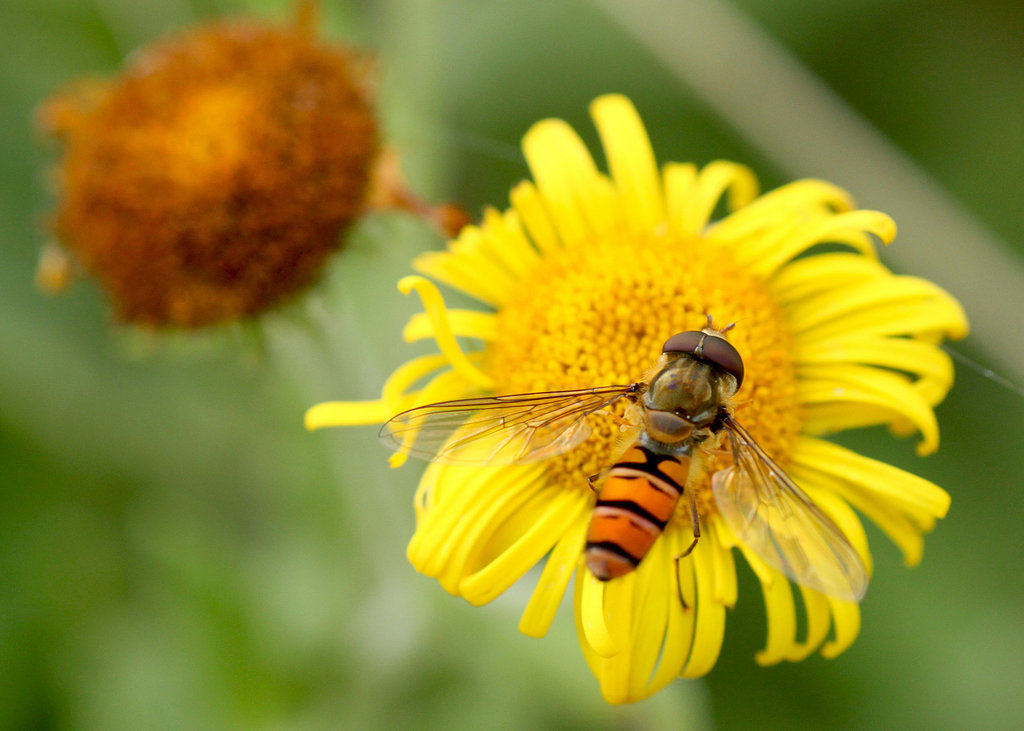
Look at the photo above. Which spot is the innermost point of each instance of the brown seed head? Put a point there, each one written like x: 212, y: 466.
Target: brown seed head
x: 212, y: 178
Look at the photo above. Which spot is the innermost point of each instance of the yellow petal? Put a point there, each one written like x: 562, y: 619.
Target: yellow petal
x: 547, y: 525
x: 547, y: 596
x: 680, y: 182
x: 406, y: 375
x: 533, y: 214
x: 901, y: 504
x: 505, y: 239
x: 846, y: 228
x: 464, y: 324
x: 707, y: 641
x: 481, y: 279
x: 434, y: 305
x: 630, y: 160
x: 781, y: 612
x: 891, y: 306
x: 841, y: 397
x: 824, y: 273
x: 931, y: 365
x: 679, y: 634
x: 466, y: 500
x: 840, y: 513
x: 779, y: 608
x: 557, y: 159
x: 725, y: 567
x: 651, y: 595
x: 904, y: 490
x: 787, y: 203
x: 714, y: 180
x: 819, y: 620
x: 846, y: 624
x: 476, y: 554
x: 591, y: 617
x: 348, y: 413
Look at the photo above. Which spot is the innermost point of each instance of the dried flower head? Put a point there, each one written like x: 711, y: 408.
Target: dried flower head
x: 212, y: 177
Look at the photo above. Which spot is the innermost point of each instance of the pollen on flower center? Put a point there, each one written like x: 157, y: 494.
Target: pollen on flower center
x: 598, y: 313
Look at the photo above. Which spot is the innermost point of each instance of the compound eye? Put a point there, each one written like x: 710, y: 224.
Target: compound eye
x: 720, y: 352
x: 684, y: 342
x: 712, y: 349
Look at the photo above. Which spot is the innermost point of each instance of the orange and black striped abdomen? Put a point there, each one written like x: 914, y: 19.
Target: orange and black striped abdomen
x: 635, y: 503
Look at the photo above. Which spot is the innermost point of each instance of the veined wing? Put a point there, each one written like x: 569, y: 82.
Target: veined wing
x: 780, y: 523
x: 500, y: 429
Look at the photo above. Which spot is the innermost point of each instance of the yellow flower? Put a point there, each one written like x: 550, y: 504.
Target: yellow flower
x: 585, y: 277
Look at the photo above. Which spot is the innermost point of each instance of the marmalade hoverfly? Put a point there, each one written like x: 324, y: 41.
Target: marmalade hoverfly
x: 681, y: 409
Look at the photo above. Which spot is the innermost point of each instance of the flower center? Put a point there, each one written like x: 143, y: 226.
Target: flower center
x: 598, y: 314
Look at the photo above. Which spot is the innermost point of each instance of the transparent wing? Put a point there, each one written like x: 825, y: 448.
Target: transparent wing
x: 776, y: 519
x: 500, y: 429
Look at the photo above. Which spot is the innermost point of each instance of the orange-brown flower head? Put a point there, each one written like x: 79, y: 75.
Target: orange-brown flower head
x: 211, y: 179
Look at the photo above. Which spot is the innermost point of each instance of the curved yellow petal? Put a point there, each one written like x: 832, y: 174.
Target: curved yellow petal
x: 466, y: 500
x: 544, y: 522
x: 436, y: 311
x: 897, y: 305
x: 560, y: 163
x: 933, y: 368
x: 591, y: 616
x: 463, y: 323
x: 845, y: 228
x: 840, y: 513
x: 534, y: 216
x: 716, y: 179
x: 846, y: 627
x: 725, y: 567
x: 824, y: 274
x: 900, y: 503
x: 630, y: 161
x: 475, y: 275
x: 406, y: 375
x: 781, y: 612
x: 779, y: 607
x: 651, y: 596
x: 818, y: 619
x: 842, y: 397
x: 707, y: 640
x: 679, y: 634
x: 504, y: 238
x: 565, y: 558
x: 795, y: 200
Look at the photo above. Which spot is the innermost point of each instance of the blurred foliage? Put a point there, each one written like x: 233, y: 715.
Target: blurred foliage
x: 176, y: 552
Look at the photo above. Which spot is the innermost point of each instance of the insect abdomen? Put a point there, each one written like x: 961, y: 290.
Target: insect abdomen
x: 635, y: 503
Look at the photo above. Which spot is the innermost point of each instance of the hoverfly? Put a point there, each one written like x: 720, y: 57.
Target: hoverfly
x: 677, y: 411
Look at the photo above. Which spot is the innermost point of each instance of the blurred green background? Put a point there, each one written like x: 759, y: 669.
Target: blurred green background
x: 176, y: 552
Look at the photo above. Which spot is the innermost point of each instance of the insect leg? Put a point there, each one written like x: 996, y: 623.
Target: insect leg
x: 679, y: 586
x: 695, y: 521
x: 594, y: 479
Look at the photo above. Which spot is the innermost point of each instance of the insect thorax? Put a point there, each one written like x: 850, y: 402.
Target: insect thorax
x: 689, y: 388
